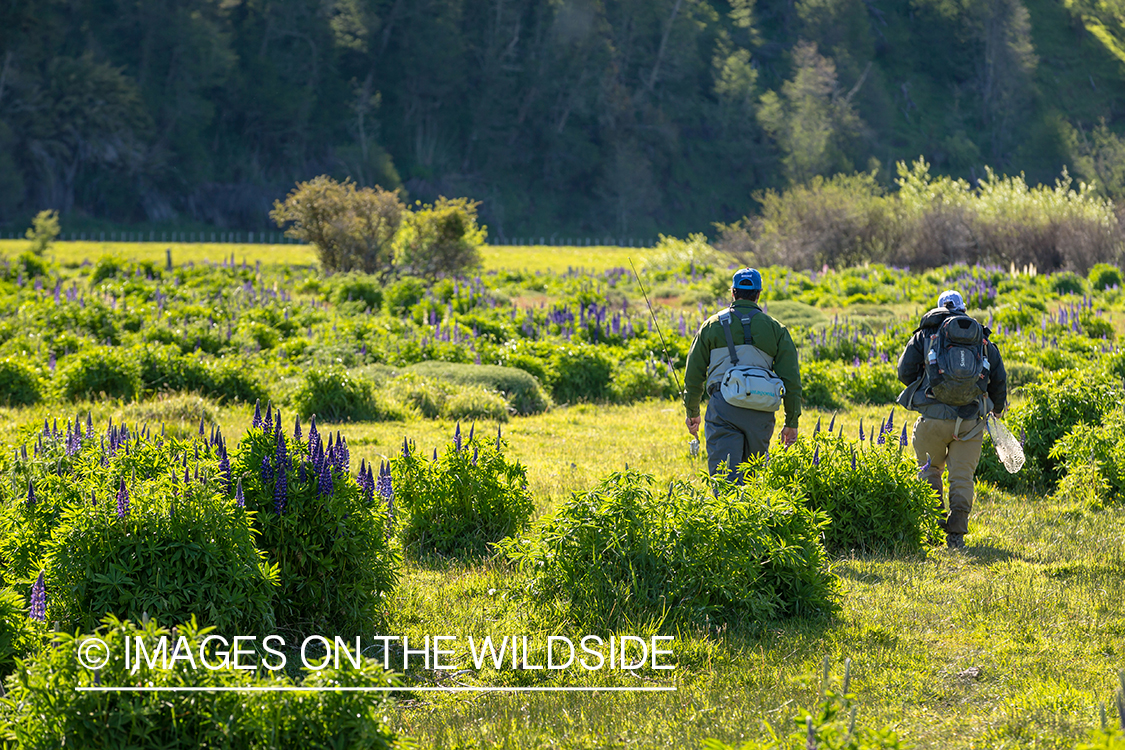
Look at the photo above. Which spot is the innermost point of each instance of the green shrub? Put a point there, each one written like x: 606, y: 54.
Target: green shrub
x: 1049, y: 410
x: 19, y: 383
x: 427, y: 395
x: 473, y: 402
x: 580, y: 372
x: 107, y: 267
x: 462, y: 501
x: 624, y: 553
x: 101, y: 372
x: 1103, y: 276
x: 335, y: 395
x: 362, y: 290
x: 820, y: 385
x: 637, y: 381
x: 793, y: 314
x: 442, y: 239
x: 179, y: 549
x: 404, y: 294
x: 879, y: 504
x: 871, y: 384
x: 1093, y: 461
x: 1067, y: 282
x: 522, y: 391
x: 326, y: 536
x: 45, y: 708
x: 19, y: 634
x: 1022, y: 373
x: 164, y: 368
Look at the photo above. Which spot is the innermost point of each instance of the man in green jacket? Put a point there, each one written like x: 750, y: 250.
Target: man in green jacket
x: 734, y: 434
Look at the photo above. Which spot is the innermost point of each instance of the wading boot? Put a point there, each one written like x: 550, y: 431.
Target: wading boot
x: 955, y: 541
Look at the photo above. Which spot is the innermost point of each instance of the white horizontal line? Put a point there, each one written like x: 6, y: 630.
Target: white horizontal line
x: 432, y: 689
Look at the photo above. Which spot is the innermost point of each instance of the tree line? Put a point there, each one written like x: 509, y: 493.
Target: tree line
x: 590, y: 117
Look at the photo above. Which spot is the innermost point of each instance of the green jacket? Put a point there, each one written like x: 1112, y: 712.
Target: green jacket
x: 769, y: 336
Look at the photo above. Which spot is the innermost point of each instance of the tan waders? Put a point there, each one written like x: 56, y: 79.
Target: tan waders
x: 734, y: 434
x: 934, y: 439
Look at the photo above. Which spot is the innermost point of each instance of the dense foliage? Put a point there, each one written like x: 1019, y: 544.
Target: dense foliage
x: 569, y: 119
x: 626, y: 552
x: 870, y: 492
x: 42, y: 707
x: 463, y: 500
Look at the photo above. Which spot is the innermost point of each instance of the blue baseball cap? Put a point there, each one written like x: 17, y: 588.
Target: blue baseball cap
x: 951, y: 300
x: 747, y: 278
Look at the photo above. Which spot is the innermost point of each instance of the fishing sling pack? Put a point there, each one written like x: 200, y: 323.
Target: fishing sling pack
x: 747, y: 386
x: 956, y: 364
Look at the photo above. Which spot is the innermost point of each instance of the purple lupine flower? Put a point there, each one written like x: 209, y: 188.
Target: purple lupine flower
x: 405, y: 448
x: 257, y: 413
x: 122, y: 499
x: 38, y: 600
x: 324, y: 484
x: 882, y: 439
x: 476, y: 453
x: 202, y: 430
x: 239, y: 496
x: 853, y: 459
x: 902, y: 441
x: 435, y: 454
x: 30, y: 494
x: 266, y: 470
x: 861, y: 429
x: 891, y: 421
x: 817, y: 428
x: 472, y: 430
x: 314, y: 436
x: 301, y: 475
x: 457, y: 437
x: 281, y: 490
x: 267, y: 423
x: 224, y: 470
x: 498, y: 428
x: 1023, y: 436
x: 926, y: 466
x: 297, y: 428
x: 816, y: 456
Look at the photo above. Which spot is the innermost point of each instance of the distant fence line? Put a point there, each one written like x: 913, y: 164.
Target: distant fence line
x: 278, y: 238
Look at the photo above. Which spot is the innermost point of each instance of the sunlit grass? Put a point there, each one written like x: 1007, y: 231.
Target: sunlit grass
x: 495, y: 257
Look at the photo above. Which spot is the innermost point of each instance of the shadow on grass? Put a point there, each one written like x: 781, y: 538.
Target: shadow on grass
x: 986, y: 554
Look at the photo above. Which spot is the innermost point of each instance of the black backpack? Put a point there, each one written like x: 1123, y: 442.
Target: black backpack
x: 956, y: 365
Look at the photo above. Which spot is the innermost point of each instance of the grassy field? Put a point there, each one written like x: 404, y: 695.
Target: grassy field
x: 495, y: 257
x: 1012, y: 643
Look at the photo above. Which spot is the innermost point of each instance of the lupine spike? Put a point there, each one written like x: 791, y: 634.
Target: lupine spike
x: 472, y: 429
x: 122, y: 499
x: 891, y: 420
x: 853, y: 459
x: 902, y: 441
x: 30, y: 494
x: 457, y: 437
x: 38, y: 610
x: 498, y: 429
x: 239, y: 497
x: 297, y: 427
x: 817, y: 428
x: 257, y: 413
x: 816, y: 456
x: 861, y: 429
x: 926, y: 466
x: 832, y: 423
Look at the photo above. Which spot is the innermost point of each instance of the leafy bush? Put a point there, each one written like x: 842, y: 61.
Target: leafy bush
x: 522, y: 391
x: 362, y: 290
x: 427, y: 395
x: 1022, y: 373
x: 45, y: 708
x: 19, y: 634
x: 1049, y: 410
x: 442, y: 239
x: 636, y: 381
x: 463, y: 500
x: 1067, y: 282
x: 44, y: 230
x: 352, y: 228
x: 623, y: 554
x: 870, y: 384
x: 580, y: 372
x: 820, y: 385
x: 178, y: 551
x: 334, y: 394
x: 164, y: 368
x: 326, y: 535
x: 1093, y: 461
x: 1104, y: 276
x: 103, y: 370
x: 473, y: 402
x: 404, y: 294
x: 19, y: 383
x: 876, y: 503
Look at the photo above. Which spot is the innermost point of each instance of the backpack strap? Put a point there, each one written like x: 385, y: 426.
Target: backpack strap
x: 746, y: 325
x: 724, y: 318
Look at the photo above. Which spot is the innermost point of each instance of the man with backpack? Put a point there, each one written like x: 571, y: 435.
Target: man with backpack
x: 954, y: 377
x: 747, y: 362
